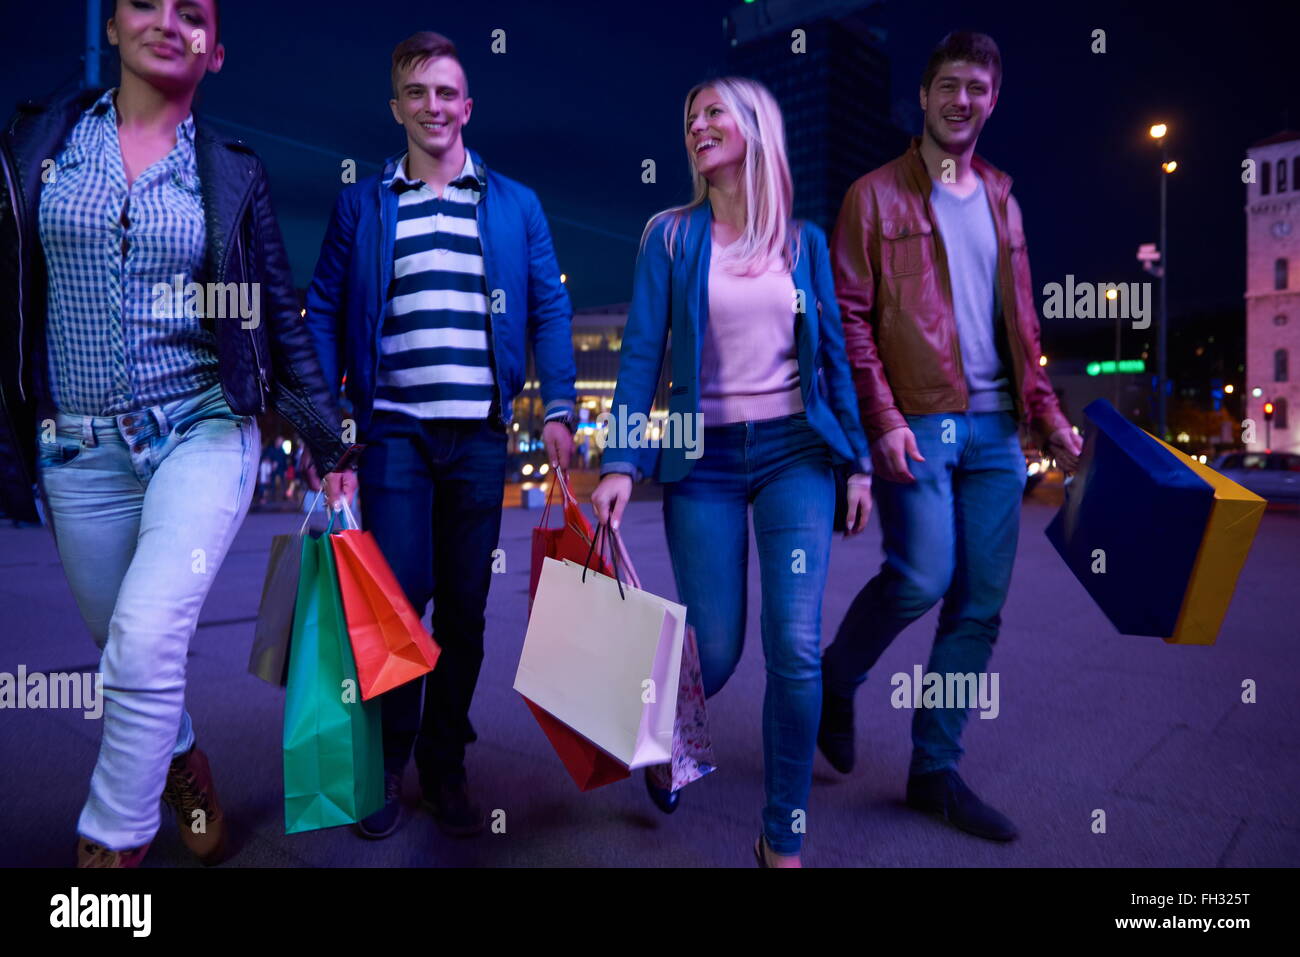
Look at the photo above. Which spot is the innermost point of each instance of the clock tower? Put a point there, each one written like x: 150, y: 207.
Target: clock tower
x: 1273, y: 292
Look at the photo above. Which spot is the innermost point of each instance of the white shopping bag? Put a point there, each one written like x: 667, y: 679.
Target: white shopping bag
x: 605, y: 664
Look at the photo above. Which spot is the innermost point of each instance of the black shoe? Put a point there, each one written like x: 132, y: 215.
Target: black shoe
x: 835, y: 732
x: 665, y: 801
x: 944, y: 793
x: 454, y: 811
x: 384, y: 821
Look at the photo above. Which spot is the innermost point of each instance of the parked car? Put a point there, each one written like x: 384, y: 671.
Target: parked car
x: 1274, y: 476
x: 527, y: 466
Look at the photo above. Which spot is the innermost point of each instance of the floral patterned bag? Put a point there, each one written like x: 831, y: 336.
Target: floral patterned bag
x: 692, y: 746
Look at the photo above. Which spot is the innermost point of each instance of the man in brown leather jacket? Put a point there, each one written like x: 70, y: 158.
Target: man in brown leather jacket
x: 932, y: 278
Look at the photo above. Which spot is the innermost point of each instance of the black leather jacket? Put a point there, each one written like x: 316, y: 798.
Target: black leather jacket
x: 274, y: 362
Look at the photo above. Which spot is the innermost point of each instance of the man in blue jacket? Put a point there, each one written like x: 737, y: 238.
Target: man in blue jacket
x: 434, y: 277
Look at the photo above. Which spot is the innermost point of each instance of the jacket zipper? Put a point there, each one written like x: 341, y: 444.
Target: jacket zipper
x: 263, y: 386
x: 487, y: 317
x: 14, y: 199
x: 1012, y: 328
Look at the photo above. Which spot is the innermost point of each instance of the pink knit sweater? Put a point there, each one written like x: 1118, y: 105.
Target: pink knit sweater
x: 749, y: 367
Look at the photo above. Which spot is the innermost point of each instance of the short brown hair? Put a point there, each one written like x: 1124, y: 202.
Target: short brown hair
x: 419, y: 47
x: 977, y: 48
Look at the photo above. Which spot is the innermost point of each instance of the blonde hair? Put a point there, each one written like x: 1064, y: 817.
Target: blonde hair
x: 765, y: 178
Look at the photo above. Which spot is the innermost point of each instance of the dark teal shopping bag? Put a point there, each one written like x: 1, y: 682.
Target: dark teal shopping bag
x: 333, y: 744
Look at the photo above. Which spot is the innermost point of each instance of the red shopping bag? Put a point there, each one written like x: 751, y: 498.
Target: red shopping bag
x: 692, y: 750
x: 589, y: 766
x: 572, y: 540
x: 388, y: 639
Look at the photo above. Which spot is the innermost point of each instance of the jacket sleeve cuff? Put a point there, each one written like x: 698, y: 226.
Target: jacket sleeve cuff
x: 336, y: 460
x: 620, y: 468
x: 559, y: 408
x: 1050, y: 423
x: 878, y: 423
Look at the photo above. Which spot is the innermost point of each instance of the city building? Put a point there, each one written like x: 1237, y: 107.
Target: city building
x: 597, y: 339
x: 1273, y: 291
x: 824, y: 63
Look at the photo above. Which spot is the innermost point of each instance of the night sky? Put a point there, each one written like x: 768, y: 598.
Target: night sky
x: 587, y: 91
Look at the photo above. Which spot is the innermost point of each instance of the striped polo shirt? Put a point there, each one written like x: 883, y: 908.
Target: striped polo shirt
x: 435, y: 361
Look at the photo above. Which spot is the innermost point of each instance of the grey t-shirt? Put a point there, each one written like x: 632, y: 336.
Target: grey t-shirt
x: 971, y: 243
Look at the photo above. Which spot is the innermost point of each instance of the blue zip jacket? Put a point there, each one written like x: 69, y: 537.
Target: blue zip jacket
x: 527, y: 303
x: 672, y: 293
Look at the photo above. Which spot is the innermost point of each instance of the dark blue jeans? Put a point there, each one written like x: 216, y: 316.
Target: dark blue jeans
x: 431, y: 492
x: 951, y: 535
x: 781, y: 467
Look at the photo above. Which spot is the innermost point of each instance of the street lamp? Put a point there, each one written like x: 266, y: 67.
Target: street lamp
x: 1158, y: 133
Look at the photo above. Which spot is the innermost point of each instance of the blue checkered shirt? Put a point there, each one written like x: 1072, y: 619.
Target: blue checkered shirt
x: 116, y: 344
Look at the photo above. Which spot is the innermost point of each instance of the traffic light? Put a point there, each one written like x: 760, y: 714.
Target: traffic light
x: 1268, y: 411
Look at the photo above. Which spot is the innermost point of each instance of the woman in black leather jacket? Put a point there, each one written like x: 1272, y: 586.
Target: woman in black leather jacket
x: 147, y: 315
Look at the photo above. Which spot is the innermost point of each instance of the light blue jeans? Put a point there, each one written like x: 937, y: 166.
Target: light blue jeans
x: 780, y: 470
x: 144, y: 507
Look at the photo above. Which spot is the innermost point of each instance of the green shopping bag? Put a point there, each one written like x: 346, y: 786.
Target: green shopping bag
x: 333, y: 743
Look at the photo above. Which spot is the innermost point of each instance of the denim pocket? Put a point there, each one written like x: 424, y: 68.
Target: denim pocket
x: 62, y: 451
x: 207, y: 405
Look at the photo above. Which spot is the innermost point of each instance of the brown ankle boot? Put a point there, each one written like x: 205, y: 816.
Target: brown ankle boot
x: 90, y: 854
x: 189, y: 789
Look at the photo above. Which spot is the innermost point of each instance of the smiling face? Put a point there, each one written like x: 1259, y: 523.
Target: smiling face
x: 713, y: 138
x: 958, y: 104
x: 431, y: 104
x: 157, y: 41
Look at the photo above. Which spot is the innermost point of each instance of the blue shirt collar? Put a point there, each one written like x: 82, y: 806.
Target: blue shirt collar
x: 106, y: 108
x: 472, y: 175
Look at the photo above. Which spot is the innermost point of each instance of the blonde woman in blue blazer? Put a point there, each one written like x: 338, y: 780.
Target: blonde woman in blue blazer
x: 758, y: 356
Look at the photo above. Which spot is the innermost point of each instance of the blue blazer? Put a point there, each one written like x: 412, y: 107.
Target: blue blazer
x: 672, y: 293
x: 529, y: 306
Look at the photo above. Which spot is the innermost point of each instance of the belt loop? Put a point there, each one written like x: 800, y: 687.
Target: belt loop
x: 88, y: 431
x: 164, y: 427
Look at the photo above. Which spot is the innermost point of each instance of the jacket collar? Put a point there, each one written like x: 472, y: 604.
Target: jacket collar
x: 996, y: 182
x: 393, y: 169
x: 699, y: 233
x: 227, y: 172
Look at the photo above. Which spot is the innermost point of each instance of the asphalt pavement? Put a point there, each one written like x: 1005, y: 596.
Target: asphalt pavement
x: 1155, y: 736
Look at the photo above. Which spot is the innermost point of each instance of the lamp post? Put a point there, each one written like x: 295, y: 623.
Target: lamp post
x: 94, y: 28
x: 1158, y: 133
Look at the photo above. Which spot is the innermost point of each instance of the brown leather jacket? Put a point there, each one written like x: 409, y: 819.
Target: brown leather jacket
x: 891, y: 280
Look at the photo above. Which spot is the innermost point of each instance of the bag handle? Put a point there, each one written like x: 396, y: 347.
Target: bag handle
x: 603, y: 529
x: 348, y: 513
x: 302, y: 529
x: 629, y: 571
x: 565, y: 493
